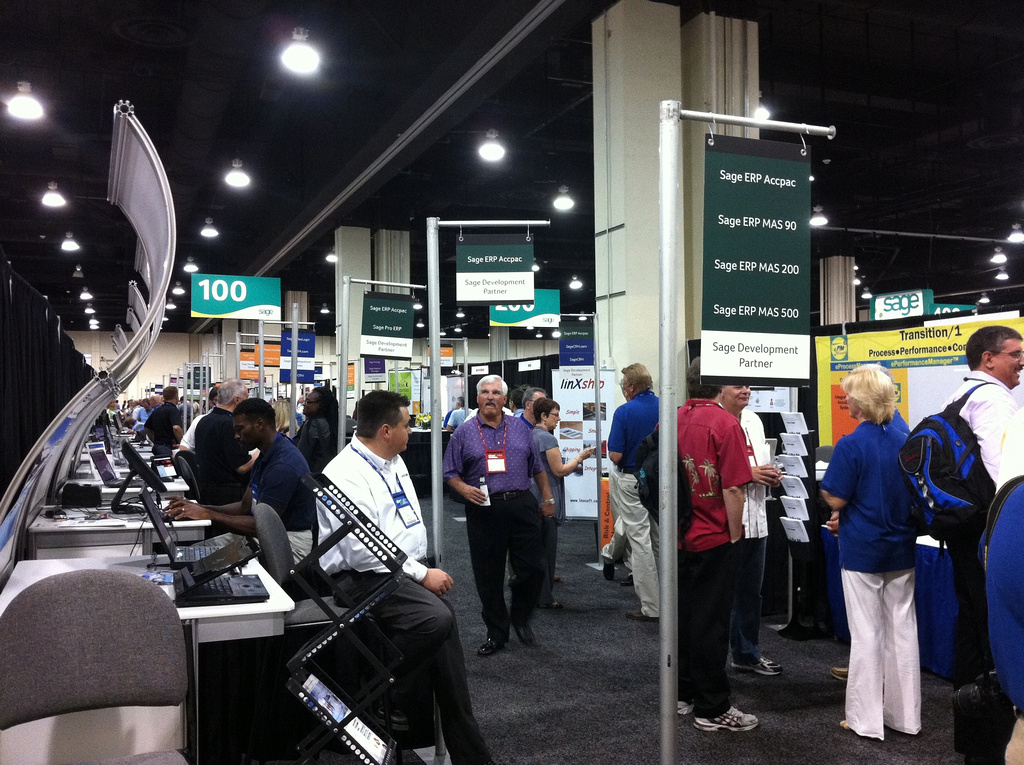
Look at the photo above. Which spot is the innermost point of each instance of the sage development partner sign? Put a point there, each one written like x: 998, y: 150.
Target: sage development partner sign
x: 495, y: 269
x: 387, y: 325
x: 757, y: 263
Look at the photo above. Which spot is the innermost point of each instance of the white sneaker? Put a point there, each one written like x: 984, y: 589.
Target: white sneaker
x: 684, y: 708
x: 762, y: 666
x: 734, y: 720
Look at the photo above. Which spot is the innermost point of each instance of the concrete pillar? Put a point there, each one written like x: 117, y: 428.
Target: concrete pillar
x: 838, y: 294
x: 353, y: 247
x: 498, y: 342
x: 391, y: 258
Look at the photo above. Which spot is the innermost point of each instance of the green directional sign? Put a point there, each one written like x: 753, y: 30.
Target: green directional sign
x: 387, y: 325
x: 236, y: 297
x: 494, y: 270
x: 543, y: 312
x: 755, y: 327
x: 940, y: 309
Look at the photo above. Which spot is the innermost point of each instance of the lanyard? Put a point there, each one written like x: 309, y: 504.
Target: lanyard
x: 504, y: 435
x: 378, y: 472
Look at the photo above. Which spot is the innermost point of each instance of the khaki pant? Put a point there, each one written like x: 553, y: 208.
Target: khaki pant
x: 1015, y: 749
x: 641, y: 534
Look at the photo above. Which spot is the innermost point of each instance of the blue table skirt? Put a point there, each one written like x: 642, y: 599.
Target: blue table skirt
x: 934, y: 599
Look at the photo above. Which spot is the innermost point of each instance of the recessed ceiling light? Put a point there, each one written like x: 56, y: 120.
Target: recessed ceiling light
x: 491, y: 150
x: 563, y: 201
x: 24, y: 106
x: 300, y: 56
x: 53, y: 198
x: 208, y: 230
x: 69, y: 244
x: 190, y: 266
x: 818, y: 219
x: 237, y: 177
x: 178, y: 289
x: 575, y: 284
x: 86, y: 295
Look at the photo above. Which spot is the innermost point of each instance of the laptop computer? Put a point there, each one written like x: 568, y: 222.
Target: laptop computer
x: 179, y: 557
x: 209, y: 582
x: 100, y: 461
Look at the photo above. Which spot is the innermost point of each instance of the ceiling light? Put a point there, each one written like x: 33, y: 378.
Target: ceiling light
x: 86, y: 295
x: 417, y: 306
x: 208, y: 230
x: 52, y: 198
x: 575, y: 284
x: 170, y: 305
x: 1016, y: 235
x: 984, y: 298
x: 458, y: 328
x: 237, y: 177
x: 583, y: 318
x: 77, y: 273
x: 166, y: 318
x: 556, y: 333
x: 331, y: 257
x: 539, y: 335
x: 69, y: 244
x: 324, y: 308
x: 818, y: 219
x: 94, y: 326
x: 866, y: 294
x: 761, y: 114
x: 443, y: 333
x: 178, y: 289
x: 856, y: 267
x: 460, y: 314
x: 300, y: 56
x: 420, y: 324
x: 490, y: 149
x: 998, y: 257
x: 810, y: 178
x: 89, y: 309
x: 94, y: 322
x: 1002, y: 275
x: 24, y: 106
x: 563, y: 201
x: 190, y: 266
x: 535, y: 267
x: 856, y: 282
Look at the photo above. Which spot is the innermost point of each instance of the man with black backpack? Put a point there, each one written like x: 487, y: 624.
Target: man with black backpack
x: 994, y: 356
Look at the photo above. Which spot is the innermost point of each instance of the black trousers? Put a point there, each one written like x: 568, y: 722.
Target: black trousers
x: 975, y: 736
x: 422, y: 626
x: 512, y: 528
x: 707, y: 582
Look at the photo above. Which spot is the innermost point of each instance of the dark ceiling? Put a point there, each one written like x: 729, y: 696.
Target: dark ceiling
x: 926, y: 98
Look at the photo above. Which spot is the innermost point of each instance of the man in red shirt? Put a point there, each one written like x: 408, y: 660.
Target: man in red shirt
x: 714, y: 454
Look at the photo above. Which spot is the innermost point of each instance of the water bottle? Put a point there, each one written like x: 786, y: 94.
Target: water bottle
x: 487, y: 494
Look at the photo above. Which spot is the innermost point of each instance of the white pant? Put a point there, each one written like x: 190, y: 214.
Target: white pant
x: 884, y: 687
x: 641, y: 534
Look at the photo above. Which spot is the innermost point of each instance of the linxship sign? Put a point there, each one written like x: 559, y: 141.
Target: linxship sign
x: 494, y: 270
x: 387, y: 326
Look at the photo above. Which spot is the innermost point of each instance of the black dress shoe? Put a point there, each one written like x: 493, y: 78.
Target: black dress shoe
x: 627, y: 582
x: 609, y: 571
x: 491, y: 646
x: 525, y: 634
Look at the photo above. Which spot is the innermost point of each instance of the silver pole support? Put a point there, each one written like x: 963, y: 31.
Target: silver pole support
x: 343, y: 324
x: 294, y: 397
x: 728, y: 119
x: 597, y: 428
x: 434, y: 329
x: 262, y: 342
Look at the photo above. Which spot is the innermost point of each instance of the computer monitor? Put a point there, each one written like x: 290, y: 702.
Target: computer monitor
x: 136, y: 467
x: 101, y: 462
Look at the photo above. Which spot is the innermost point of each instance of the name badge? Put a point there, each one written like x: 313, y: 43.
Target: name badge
x: 495, y: 460
x: 405, y: 509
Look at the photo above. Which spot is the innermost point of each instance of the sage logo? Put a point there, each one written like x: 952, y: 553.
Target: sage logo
x: 840, y: 348
x: 899, y: 304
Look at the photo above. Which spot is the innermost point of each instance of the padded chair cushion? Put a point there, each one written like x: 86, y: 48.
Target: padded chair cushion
x: 152, y: 758
x: 275, y: 551
x: 186, y: 469
x: 89, y: 640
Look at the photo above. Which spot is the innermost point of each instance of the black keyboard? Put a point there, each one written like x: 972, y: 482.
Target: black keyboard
x: 195, y: 552
x: 221, y: 586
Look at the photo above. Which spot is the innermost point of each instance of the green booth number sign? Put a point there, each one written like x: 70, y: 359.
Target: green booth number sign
x: 236, y: 297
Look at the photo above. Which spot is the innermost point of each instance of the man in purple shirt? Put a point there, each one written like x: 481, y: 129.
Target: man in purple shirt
x: 490, y: 463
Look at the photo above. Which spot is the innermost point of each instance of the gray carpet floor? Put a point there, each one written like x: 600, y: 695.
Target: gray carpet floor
x: 589, y: 692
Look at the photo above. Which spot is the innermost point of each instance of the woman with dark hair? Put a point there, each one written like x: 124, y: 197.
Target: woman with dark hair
x: 318, y: 436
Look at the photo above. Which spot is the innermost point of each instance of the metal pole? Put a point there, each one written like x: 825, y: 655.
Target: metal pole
x: 259, y: 393
x: 238, y: 351
x: 434, y: 331
x: 597, y: 427
x: 490, y: 223
x: 728, y: 119
x: 343, y: 323
x: 465, y: 369
x: 668, y: 210
x: 294, y: 397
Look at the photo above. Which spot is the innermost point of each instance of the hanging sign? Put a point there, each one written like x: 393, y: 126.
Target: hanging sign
x: 494, y: 269
x: 374, y: 370
x: 387, y: 325
x: 543, y: 312
x: 447, y: 355
x: 305, y: 365
x: 271, y: 355
x: 757, y: 262
x: 236, y: 297
x: 576, y: 346
x: 899, y: 305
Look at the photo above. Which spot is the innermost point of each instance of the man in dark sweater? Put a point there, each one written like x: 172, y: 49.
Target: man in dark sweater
x: 223, y: 464
x: 164, y: 424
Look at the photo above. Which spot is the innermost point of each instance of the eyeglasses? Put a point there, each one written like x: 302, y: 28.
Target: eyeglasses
x: 1016, y: 355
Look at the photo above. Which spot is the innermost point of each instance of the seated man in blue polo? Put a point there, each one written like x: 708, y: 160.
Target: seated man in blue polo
x: 275, y: 480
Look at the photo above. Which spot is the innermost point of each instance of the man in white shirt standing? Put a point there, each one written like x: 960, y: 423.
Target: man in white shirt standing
x: 417, y: 619
x: 994, y: 356
x: 745, y: 621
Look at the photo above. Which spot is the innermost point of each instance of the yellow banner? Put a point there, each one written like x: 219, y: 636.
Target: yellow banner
x: 927, y: 363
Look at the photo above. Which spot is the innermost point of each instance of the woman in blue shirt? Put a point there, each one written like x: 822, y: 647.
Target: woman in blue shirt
x: 877, y: 551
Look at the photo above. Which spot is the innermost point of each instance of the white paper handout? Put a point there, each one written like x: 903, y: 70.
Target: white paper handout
x: 794, y: 487
x: 795, y: 530
x: 794, y: 443
x: 793, y: 465
x: 795, y: 508
x: 794, y: 422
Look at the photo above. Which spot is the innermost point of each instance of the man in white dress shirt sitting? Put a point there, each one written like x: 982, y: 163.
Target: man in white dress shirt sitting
x: 416, y: 618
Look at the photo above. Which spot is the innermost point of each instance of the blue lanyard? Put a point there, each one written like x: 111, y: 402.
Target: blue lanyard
x: 377, y: 471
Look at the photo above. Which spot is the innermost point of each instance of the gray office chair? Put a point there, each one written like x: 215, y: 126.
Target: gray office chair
x: 91, y: 640
x: 184, y: 463
x: 823, y: 453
